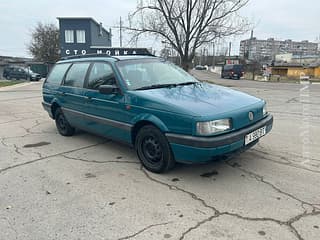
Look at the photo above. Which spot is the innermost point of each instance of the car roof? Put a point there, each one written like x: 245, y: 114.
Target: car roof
x: 109, y: 58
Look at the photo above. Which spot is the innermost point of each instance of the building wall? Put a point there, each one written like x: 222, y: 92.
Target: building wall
x: 317, y: 72
x: 74, y: 24
x: 92, y: 36
x: 296, y: 72
x: 99, y: 37
x: 279, y: 71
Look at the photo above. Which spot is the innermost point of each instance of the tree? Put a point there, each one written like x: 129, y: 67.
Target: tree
x: 188, y: 24
x: 44, y: 45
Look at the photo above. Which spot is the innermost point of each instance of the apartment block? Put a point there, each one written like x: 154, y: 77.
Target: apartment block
x: 266, y: 50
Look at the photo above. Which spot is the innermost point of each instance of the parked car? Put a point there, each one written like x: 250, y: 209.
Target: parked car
x: 200, y: 67
x: 155, y: 106
x: 16, y: 72
x: 232, y: 71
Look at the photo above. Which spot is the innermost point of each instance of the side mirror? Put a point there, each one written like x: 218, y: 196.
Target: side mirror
x: 108, y: 89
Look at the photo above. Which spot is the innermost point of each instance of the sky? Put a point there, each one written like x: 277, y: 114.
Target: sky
x: 279, y: 19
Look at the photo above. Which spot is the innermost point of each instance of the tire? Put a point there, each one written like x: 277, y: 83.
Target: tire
x: 153, y: 150
x: 63, y: 126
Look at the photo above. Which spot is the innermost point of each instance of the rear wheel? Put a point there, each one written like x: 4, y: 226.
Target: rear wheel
x: 63, y: 126
x: 154, y: 150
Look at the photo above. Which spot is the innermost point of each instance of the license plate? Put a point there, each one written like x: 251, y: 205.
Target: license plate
x: 251, y: 137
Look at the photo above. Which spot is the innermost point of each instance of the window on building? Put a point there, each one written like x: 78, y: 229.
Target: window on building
x: 101, y: 74
x: 81, y: 36
x: 76, y: 75
x: 69, y: 36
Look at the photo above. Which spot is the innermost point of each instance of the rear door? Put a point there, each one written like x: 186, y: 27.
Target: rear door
x: 72, y: 93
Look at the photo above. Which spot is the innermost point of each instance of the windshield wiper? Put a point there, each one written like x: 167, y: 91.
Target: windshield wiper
x: 154, y: 86
x: 186, y: 83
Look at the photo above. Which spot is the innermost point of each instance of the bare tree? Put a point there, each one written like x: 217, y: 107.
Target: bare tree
x: 44, y: 45
x: 187, y: 24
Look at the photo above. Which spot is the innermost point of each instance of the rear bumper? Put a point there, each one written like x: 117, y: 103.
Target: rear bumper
x: 47, y: 107
x: 202, y: 149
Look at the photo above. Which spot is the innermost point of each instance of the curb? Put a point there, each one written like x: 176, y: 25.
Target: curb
x: 15, y: 86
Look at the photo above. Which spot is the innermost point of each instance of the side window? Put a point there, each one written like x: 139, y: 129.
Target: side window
x: 76, y: 75
x: 101, y: 74
x: 57, y: 73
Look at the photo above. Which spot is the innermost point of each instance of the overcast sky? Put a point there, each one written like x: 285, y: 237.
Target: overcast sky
x: 280, y: 19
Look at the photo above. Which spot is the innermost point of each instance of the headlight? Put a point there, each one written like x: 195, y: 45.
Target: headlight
x: 265, y: 110
x: 211, y: 127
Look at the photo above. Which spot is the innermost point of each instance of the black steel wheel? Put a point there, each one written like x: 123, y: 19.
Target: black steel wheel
x: 63, y: 126
x: 154, y: 150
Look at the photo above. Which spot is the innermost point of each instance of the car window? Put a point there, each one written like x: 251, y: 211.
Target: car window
x: 138, y: 74
x: 57, y: 73
x: 101, y: 74
x: 76, y: 75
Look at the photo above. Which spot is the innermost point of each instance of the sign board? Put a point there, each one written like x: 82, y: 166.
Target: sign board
x: 232, y: 61
x: 107, y: 50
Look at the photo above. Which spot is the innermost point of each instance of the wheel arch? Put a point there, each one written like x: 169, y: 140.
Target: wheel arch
x: 54, y: 107
x: 144, y: 120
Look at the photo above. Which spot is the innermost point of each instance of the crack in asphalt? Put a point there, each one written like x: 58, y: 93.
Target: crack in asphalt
x: 144, y: 229
x: 11, y: 226
x: 50, y: 156
x: 175, y: 188
x: 287, y: 163
x: 28, y: 130
x: 260, y: 178
x: 16, y: 149
x: 18, y: 120
x: 217, y: 213
x: 94, y: 161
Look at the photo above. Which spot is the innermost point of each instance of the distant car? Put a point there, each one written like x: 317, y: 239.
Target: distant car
x: 232, y: 71
x: 303, y: 76
x: 17, y: 72
x: 200, y: 67
x: 163, y: 112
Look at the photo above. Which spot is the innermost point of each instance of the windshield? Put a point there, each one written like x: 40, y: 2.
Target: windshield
x: 152, y: 73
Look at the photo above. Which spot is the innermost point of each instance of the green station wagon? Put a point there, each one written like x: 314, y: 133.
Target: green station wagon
x: 163, y: 112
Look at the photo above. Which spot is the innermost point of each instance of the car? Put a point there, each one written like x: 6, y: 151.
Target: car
x: 200, y: 67
x: 149, y: 103
x: 232, y: 71
x: 17, y: 72
x: 303, y: 76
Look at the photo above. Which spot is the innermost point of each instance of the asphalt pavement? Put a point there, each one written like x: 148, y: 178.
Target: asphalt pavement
x: 88, y: 187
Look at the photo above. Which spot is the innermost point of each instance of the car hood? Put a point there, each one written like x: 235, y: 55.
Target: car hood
x: 198, y: 100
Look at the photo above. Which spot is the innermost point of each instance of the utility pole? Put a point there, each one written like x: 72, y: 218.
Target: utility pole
x: 120, y: 32
x: 230, y: 44
x: 213, y: 55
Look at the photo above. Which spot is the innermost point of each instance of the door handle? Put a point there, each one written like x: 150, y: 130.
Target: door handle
x: 88, y: 98
x: 62, y: 93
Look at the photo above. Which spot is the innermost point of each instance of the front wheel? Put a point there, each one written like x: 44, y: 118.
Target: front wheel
x: 63, y: 126
x: 154, y: 150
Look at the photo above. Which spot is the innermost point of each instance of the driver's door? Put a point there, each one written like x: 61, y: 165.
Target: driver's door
x: 106, y: 113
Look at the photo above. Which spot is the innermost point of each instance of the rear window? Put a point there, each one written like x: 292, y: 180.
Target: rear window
x: 76, y: 75
x: 237, y: 67
x: 57, y: 73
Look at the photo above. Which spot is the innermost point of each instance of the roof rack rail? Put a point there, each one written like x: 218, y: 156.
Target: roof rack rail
x: 88, y: 55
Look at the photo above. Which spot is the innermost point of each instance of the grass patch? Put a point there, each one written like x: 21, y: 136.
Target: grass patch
x: 9, y: 83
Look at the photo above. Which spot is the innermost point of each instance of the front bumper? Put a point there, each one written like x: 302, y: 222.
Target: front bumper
x: 202, y: 149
